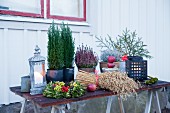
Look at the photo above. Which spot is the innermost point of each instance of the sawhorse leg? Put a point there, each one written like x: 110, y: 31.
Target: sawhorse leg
x: 60, y: 108
x: 24, y: 103
x: 149, y: 101
x: 23, y: 106
x: 122, y: 110
x: 109, y: 102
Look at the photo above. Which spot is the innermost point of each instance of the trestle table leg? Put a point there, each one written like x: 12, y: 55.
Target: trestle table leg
x: 109, y: 102
x: 122, y: 110
x: 58, y: 109
x: 157, y: 101
x: 23, y: 105
x: 36, y: 109
x: 148, y: 102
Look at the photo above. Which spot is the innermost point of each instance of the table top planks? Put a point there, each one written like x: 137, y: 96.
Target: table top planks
x: 42, y: 101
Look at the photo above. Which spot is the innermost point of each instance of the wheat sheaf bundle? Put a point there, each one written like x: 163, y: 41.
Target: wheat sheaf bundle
x: 85, y: 78
x: 117, y: 82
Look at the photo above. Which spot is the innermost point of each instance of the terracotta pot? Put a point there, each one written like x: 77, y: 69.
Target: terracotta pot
x: 90, y: 70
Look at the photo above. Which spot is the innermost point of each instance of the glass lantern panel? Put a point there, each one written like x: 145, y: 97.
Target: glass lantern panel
x: 39, y: 73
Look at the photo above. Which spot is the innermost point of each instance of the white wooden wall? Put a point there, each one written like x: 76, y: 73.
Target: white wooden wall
x: 150, y: 18
x: 17, y: 43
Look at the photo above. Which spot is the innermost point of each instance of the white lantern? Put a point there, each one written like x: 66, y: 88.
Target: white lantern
x: 37, y: 72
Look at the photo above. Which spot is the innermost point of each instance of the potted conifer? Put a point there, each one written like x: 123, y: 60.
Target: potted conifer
x: 68, y: 46
x: 55, y: 54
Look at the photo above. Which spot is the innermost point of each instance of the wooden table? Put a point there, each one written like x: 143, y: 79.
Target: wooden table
x: 59, y: 104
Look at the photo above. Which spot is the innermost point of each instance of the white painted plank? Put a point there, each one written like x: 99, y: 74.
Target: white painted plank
x: 115, y: 18
x: 124, y: 14
x: 151, y: 25
x: 142, y: 20
x: 159, y: 42
x: 134, y: 16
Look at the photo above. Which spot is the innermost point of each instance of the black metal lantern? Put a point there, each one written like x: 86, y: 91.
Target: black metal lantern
x: 37, y: 72
x: 136, y: 68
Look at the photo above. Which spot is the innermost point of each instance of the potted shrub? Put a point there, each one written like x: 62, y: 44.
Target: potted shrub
x: 55, y: 54
x: 86, y: 59
x: 104, y: 58
x: 68, y: 46
x: 131, y: 46
x: 127, y: 44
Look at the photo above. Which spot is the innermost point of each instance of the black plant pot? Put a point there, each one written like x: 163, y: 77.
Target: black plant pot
x: 54, y: 75
x: 68, y: 74
x: 135, y: 58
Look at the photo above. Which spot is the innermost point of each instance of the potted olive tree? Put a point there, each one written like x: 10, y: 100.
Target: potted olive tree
x: 68, y: 53
x: 86, y: 59
x: 55, y: 54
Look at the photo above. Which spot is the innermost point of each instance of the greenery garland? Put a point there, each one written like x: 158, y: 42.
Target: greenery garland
x: 63, y: 90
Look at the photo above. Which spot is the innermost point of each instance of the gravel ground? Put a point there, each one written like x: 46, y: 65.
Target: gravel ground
x: 15, y: 108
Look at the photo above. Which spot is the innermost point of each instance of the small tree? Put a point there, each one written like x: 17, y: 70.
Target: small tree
x: 68, y: 45
x: 127, y: 43
x: 55, y: 48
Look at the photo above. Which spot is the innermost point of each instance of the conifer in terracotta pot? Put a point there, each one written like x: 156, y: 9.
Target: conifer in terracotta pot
x: 68, y: 53
x: 55, y: 54
x: 86, y: 59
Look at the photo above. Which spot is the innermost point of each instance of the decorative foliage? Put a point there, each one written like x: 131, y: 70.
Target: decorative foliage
x: 85, y: 57
x: 128, y: 44
x: 68, y: 45
x: 55, y: 48
x: 63, y: 90
x: 107, y: 52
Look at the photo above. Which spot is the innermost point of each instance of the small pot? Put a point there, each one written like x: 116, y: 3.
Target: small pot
x: 54, y: 75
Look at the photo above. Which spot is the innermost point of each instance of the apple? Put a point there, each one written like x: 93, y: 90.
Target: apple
x: 111, y: 59
x: 110, y: 65
x: 91, y: 87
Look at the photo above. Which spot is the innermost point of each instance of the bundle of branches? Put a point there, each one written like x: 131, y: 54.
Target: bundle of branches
x: 117, y: 82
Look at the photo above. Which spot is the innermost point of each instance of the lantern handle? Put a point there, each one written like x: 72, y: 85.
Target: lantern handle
x: 37, y: 50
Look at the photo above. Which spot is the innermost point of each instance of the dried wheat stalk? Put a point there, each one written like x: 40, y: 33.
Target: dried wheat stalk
x: 116, y: 82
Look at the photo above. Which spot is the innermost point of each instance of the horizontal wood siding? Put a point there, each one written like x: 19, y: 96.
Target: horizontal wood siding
x: 150, y: 18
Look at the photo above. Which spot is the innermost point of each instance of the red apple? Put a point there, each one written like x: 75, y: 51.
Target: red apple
x: 91, y: 87
x: 110, y: 65
x: 111, y: 59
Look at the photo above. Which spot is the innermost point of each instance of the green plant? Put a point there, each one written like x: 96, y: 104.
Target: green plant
x: 105, y: 53
x: 68, y: 45
x: 55, y: 48
x: 85, y: 57
x: 128, y: 44
x: 63, y: 90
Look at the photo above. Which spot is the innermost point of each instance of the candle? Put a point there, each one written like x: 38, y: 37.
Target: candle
x: 38, y: 78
